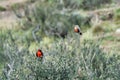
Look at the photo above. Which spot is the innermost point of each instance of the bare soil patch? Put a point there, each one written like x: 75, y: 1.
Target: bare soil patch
x: 8, y: 18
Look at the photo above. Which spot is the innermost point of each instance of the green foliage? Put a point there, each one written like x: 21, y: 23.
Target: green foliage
x: 110, y: 38
x: 55, y: 17
x: 92, y: 4
x: 117, y: 14
x: 52, y: 19
x: 85, y: 4
x: 66, y: 59
x: 2, y: 8
x: 97, y: 29
x: 2, y: 38
x: 3, y: 58
x: 31, y: 1
x: 17, y: 6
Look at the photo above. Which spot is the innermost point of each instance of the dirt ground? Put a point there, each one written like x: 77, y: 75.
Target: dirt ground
x: 7, y: 3
x: 8, y: 18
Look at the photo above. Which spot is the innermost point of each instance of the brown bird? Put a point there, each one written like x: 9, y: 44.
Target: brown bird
x: 39, y: 53
x: 77, y: 29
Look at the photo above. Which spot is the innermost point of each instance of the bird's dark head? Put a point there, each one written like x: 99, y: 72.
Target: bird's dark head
x: 39, y: 50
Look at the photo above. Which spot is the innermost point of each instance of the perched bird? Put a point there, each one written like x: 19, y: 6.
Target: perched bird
x: 77, y: 29
x: 39, y: 53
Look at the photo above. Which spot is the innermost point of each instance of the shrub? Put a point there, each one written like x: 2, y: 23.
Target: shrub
x: 92, y: 4
x: 17, y: 6
x: 2, y: 8
x: 3, y: 58
x: 97, y: 29
x: 52, y: 21
x: 117, y: 14
x: 65, y: 60
x: 85, y: 4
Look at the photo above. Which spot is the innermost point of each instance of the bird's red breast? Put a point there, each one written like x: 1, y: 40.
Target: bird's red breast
x: 39, y: 53
x: 76, y: 29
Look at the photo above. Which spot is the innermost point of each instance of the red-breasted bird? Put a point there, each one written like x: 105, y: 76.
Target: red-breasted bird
x: 39, y: 53
x: 77, y: 29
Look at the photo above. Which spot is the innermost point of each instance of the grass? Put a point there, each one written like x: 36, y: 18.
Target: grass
x: 16, y: 6
x: 64, y: 59
x: 74, y: 57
